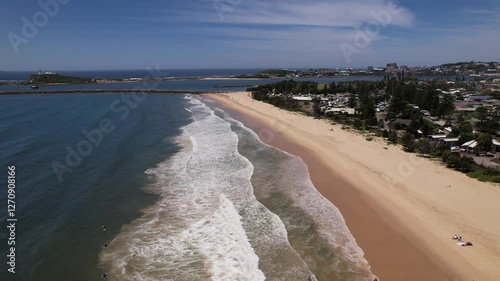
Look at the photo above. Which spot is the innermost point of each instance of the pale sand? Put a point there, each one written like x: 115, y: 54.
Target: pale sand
x: 420, y: 203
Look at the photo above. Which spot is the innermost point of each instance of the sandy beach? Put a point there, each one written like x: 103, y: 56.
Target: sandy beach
x: 403, y: 210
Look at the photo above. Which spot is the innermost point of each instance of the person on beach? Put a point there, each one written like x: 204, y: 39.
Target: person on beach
x: 455, y: 237
x: 309, y: 278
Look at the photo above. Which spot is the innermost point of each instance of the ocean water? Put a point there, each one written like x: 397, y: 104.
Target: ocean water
x: 134, y: 73
x: 233, y: 208
x: 58, y: 233
x: 185, y: 191
x: 206, y: 85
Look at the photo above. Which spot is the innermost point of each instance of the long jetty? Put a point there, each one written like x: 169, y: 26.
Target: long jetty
x: 88, y: 91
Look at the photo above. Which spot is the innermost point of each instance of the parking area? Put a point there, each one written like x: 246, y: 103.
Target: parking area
x: 486, y: 161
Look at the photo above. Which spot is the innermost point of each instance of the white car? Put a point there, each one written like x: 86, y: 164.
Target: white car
x: 455, y: 149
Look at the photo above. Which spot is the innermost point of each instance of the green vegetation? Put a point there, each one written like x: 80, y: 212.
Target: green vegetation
x: 489, y: 120
x: 268, y: 73
x: 426, y: 97
x: 56, y: 78
x: 485, y: 174
x: 493, y: 94
x: 287, y: 87
x: 281, y: 101
x: 402, y: 119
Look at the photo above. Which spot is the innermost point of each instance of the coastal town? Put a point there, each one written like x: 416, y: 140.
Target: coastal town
x: 462, y: 71
x: 459, y: 71
x: 450, y: 112
x: 456, y: 121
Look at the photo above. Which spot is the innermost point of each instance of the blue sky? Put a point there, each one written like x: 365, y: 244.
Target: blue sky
x: 132, y: 34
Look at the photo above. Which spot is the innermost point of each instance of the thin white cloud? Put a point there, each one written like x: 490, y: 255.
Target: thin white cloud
x: 340, y: 13
x: 319, y: 13
x: 299, y: 33
x: 312, y: 30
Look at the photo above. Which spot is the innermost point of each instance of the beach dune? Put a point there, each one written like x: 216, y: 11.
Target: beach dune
x: 403, y: 210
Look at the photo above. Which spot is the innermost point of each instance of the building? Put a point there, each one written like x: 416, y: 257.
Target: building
x: 392, y: 68
x: 449, y: 142
x: 348, y: 110
x: 401, y: 123
x: 469, y: 146
x: 305, y: 103
x: 496, y: 145
x: 478, y: 98
x: 437, y: 137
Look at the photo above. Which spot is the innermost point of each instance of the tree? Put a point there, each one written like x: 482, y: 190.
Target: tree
x: 357, y: 123
x: 408, y: 141
x: 397, y: 103
x: 465, y: 127
x: 465, y: 137
x: 425, y: 129
x: 446, y: 105
x: 352, y: 102
x: 316, y: 107
x: 424, y: 146
x: 484, y: 143
x: 381, y: 123
x: 350, y: 88
x: 445, y: 155
x: 489, y: 120
x: 393, y: 136
x: 453, y: 160
x: 325, y: 90
x: 368, y: 112
x: 333, y: 87
x: 465, y: 164
x: 385, y: 134
x: 482, y: 114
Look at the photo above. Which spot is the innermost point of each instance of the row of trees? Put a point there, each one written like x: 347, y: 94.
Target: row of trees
x: 287, y: 87
x: 402, y: 97
x: 489, y: 120
x: 427, y: 98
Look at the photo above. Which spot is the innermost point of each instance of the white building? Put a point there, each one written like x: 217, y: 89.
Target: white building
x: 469, y: 146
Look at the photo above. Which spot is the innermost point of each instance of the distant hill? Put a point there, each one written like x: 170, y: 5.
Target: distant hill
x: 274, y: 73
x: 477, y: 66
x: 57, y: 78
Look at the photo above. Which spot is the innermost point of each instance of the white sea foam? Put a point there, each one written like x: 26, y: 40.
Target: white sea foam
x: 207, y: 225
x: 291, y: 176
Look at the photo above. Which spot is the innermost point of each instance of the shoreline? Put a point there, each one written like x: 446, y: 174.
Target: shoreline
x: 402, y: 214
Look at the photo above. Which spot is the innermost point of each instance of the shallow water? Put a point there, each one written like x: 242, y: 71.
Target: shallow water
x: 233, y: 208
